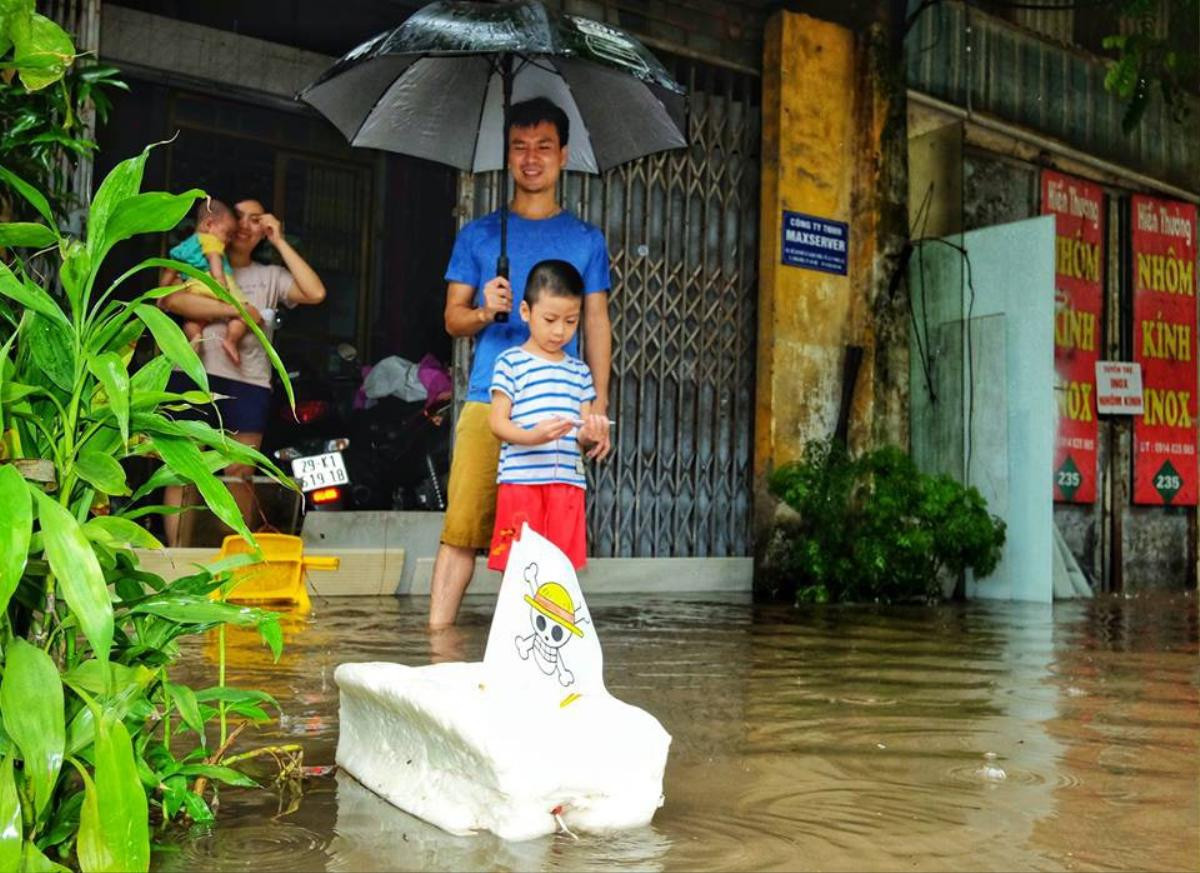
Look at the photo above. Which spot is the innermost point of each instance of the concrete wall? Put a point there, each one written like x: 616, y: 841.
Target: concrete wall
x: 823, y: 147
x: 189, y: 53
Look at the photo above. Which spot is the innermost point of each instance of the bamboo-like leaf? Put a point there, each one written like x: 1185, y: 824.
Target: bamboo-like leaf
x: 185, y: 459
x: 118, y: 334
x: 216, y: 773
x: 74, y: 273
x: 163, y: 476
x: 221, y: 294
x: 102, y: 472
x: 190, y: 609
x: 16, y: 527
x: 74, y: 564
x: 33, y: 861
x: 97, y: 677
x: 130, y: 685
x: 11, y: 838
x: 65, y: 821
x: 272, y: 635
x: 12, y: 393
x: 152, y: 376
x: 117, y: 531
x: 49, y: 344
x: 114, y: 829
x: 171, y: 399
x: 110, y: 370
x: 173, y: 343
x: 121, y: 183
x: 31, y: 194
x: 240, y: 453
x: 31, y: 704
x: 152, y: 212
x: 197, y: 808
x: 43, y: 55
x: 230, y: 694
x: 189, y: 709
x: 26, y: 234
x: 29, y: 295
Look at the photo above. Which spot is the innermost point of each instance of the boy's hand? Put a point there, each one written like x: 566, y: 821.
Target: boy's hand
x: 549, y: 429
x: 594, y: 434
x: 497, y: 297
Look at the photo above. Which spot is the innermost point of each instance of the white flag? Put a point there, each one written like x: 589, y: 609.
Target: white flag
x: 542, y: 632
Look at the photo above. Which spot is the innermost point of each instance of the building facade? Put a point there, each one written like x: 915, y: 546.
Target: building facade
x: 725, y: 362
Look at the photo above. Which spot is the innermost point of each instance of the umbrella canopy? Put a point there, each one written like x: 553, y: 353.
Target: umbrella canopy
x: 434, y: 87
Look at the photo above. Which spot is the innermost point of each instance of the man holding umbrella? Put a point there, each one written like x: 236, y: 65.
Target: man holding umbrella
x: 478, y: 304
x: 462, y: 83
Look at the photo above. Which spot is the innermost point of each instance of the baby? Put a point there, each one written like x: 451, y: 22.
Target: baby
x: 205, y: 250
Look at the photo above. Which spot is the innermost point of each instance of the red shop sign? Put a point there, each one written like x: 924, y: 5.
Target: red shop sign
x: 1164, y: 343
x: 1078, y: 208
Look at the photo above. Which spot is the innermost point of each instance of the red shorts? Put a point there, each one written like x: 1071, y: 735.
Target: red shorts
x: 555, y: 511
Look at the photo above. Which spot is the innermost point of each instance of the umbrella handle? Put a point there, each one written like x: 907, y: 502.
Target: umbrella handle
x: 502, y: 270
x: 506, y: 77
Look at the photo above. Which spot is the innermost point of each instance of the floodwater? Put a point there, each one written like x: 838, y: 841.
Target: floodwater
x: 820, y: 738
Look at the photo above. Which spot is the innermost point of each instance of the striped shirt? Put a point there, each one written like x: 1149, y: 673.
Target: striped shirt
x: 542, y: 389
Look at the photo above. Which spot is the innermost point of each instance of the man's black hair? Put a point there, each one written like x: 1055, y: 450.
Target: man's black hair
x: 530, y: 113
x: 554, y: 277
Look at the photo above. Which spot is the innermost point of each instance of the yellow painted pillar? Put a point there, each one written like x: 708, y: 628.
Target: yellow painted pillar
x: 821, y: 131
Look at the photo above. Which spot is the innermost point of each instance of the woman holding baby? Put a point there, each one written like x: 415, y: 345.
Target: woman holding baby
x: 245, y: 377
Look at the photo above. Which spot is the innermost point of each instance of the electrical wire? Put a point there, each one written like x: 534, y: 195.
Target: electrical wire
x: 923, y: 354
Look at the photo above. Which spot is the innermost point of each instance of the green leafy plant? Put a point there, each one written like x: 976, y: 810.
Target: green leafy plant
x: 97, y: 741
x: 32, y: 47
x: 43, y: 92
x: 42, y: 136
x: 874, y: 528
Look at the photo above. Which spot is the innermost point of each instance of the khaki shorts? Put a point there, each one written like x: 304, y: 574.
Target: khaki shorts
x: 471, y: 494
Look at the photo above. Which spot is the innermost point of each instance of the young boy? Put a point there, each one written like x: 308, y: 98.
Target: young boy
x: 205, y: 250
x: 541, y: 412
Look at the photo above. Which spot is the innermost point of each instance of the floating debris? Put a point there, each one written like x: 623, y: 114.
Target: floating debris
x: 990, y: 772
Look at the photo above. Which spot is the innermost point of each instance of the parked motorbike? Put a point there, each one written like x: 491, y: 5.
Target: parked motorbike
x: 393, y: 455
x: 407, y: 446
x: 312, y: 440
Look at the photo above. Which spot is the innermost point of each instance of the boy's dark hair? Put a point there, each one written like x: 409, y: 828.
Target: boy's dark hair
x: 554, y: 277
x: 529, y: 113
x: 211, y: 207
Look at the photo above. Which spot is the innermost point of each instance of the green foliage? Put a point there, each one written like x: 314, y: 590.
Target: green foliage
x: 32, y: 46
x: 874, y: 528
x: 93, y: 723
x: 42, y: 94
x: 1150, y: 55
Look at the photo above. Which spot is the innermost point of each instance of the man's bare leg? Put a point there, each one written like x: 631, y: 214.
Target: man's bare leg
x: 452, y: 571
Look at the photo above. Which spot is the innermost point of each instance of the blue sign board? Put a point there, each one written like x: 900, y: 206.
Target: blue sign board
x: 815, y: 243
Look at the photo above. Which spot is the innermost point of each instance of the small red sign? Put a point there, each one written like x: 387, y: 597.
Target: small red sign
x: 1164, y: 343
x: 1078, y: 208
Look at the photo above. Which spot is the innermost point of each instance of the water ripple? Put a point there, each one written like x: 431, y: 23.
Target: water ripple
x: 833, y: 738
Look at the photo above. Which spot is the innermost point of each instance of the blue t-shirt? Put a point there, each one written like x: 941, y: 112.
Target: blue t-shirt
x: 473, y: 262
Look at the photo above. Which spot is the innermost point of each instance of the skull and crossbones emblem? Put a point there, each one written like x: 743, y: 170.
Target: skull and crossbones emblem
x: 555, y: 620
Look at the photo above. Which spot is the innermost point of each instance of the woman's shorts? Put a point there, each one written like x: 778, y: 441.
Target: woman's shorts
x: 245, y: 408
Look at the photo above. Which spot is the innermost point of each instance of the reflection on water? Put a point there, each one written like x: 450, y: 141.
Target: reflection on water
x: 825, y: 738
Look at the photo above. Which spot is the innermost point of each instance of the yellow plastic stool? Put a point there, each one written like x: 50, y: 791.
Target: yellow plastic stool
x: 280, y: 577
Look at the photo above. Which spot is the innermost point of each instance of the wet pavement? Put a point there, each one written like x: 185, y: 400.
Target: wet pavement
x: 958, y: 737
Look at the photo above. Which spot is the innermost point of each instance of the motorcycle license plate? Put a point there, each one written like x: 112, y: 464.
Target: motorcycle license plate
x: 320, y: 471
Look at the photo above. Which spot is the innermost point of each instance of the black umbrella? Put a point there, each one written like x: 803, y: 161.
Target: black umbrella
x: 439, y: 87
